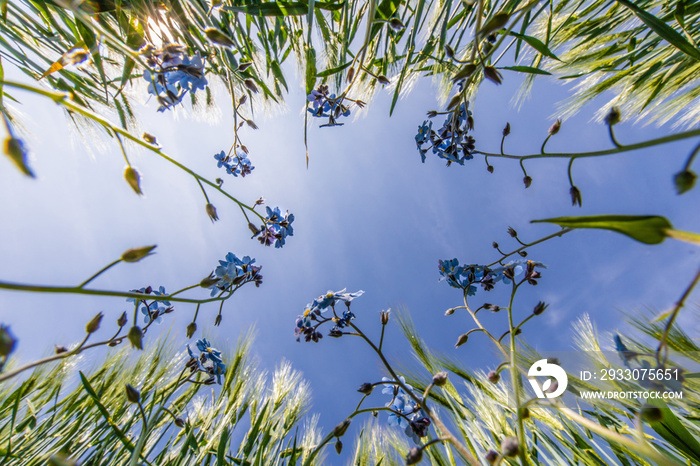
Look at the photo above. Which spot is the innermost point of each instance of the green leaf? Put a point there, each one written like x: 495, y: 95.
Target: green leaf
x: 332, y: 71
x: 221, y: 451
x: 648, y: 229
x: 671, y: 429
x: 527, y: 69
x: 282, y: 8
x: 310, y: 69
x: 535, y: 44
x: 103, y: 410
x: 665, y: 31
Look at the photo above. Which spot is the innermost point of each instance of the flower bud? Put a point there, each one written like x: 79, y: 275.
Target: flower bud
x: 132, y: 177
x: 60, y: 349
x: 414, y: 456
x: 242, y: 67
x: 179, y: 422
x: 338, y: 446
x: 149, y: 138
x: 254, y: 229
x: 524, y: 413
x: 613, y: 117
x: 684, y: 181
x: 136, y: 254
x: 366, y: 388
x: 218, y: 37
x: 462, y: 340
x: 440, y: 379
x: 383, y: 79
x: 396, y: 24
x: 211, y: 380
x: 15, y: 150
x: 450, y: 311
x: 554, y: 129
x: 191, y: 328
x: 494, y: 245
x: 94, y: 324
x: 528, y: 181
x: 512, y: 232
x: 506, y: 130
x: 217, y: 321
x: 449, y: 52
x: 341, y: 428
x: 250, y: 85
x: 135, y: 337
x: 493, y: 377
x: 351, y: 74
x: 209, y: 281
x: 491, y: 457
x: 492, y: 307
x: 384, y: 317
x: 489, y: 168
x: 509, y: 446
x: 539, y: 308
x: 251, y: 123
x: 122, y: 320
x: 466, y: 71
x: 575, y: 196
x: 492, y: 74
x: 651, y: 413
x: 133, y: 395
x: 211, y: 212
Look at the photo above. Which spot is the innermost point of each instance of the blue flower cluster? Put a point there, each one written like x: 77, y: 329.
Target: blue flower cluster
x: 308, y: 323
x: 406, y: 413
x: 466, y: 276
x: 451, y: 141
x: 276, y: 229
x: 234, y: 272
x: 209, y: 361
x: 172, y: 74
x: 328, y: 106
x: 152, y: 312
x: 238, y: 165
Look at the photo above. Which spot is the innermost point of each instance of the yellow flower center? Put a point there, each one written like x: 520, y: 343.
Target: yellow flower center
x: 306, y: 313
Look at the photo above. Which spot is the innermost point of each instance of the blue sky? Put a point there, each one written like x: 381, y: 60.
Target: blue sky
x: 369, y: 216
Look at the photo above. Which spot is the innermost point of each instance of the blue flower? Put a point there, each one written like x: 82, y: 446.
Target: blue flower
x: 173, y: 74
x: 331, y: 297
x: 235, y: 271
x: 207, y: 351
x: 207, y: 354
